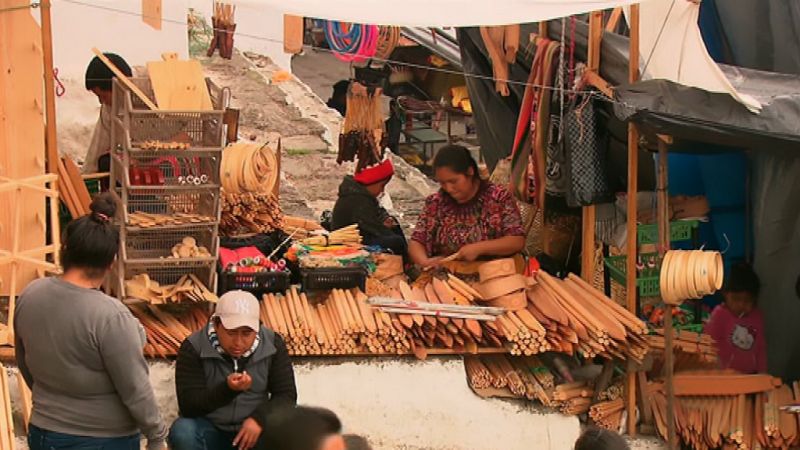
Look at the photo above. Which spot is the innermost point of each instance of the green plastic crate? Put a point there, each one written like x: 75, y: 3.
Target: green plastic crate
x: 679, y: 230
x: 647, y: 282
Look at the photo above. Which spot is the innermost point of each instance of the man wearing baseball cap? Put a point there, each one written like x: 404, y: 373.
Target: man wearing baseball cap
x: 229, y: 377
x: 358, y: 204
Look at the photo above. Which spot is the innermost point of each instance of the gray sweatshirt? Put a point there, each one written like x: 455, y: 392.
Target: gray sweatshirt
x: 80, y: 352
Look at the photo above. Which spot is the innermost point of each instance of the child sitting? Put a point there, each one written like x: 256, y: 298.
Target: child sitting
x: 737, y: 325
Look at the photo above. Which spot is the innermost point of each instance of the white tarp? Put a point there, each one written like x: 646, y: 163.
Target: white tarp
x: 672, y: 48
x: 437, y: 13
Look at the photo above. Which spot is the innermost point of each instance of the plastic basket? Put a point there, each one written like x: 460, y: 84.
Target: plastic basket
x: 202, y: 129
x: 157, y: 243
x: 258, y: 284
x: 648, y: 282
x: 333, y: 278
x: 679, y: 230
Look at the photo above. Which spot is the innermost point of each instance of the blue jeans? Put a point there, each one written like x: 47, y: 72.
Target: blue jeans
x: 199, y: 434
x: 39, y: 439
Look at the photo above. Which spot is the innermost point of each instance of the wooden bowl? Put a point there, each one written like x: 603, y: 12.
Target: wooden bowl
x: 514, y: 301
x: 498, y: 268
x: 499, y: 287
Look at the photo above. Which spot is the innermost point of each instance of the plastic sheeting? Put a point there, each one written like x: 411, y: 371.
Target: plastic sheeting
x: 776, y: 219
x: 672, y: 48
x: 439, y: 13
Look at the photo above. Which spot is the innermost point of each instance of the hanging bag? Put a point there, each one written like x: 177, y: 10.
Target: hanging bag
x: 585, y: 154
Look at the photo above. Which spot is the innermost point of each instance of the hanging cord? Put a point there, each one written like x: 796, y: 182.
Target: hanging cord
x: 60, y: 89
x: 561, y: 80
x: 352, y: 42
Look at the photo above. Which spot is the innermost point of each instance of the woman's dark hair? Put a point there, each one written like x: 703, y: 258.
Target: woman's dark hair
x: 98, y: 75
x: 600, y: 439
x: 300, y: 428
x: 742, y: 278
x: 91, y: 242
x: 456, y: 158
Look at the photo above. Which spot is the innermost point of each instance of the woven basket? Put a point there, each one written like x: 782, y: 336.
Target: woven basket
x: 533, y: 241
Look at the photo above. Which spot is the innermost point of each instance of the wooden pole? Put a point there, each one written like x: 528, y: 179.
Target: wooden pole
x: 49, y: 89
x: 633, y: 188
x: 663, y: 241
x: 589, y: 212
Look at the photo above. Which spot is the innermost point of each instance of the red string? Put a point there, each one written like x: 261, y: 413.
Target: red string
x: 60, y: 89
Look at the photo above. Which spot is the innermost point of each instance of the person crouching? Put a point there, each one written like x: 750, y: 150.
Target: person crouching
x: 229, y: 377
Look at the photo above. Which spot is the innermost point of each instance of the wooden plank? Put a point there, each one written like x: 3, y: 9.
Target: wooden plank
x: 26, y: 400
x: 6, y: 418
x: 179, y: 85
x: 613, y: 20
x: 633, y: 188
x: 125, y: 80
x: 293, y: 29
x: 22, y: 137
x: 49, y: 87
x: 151, y: 13
x: 78, y: 186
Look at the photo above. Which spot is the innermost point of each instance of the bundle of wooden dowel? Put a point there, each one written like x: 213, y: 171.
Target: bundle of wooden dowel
x: 524, y: 377
x: 743, y: 422
x: 577, y: 317
x: 298, y: 227
x: 607, y: 414
x: 687, y: 342
x: 348, y: 235
x: 250, y: 212
x: 166, y: 329
x: 343, y: 324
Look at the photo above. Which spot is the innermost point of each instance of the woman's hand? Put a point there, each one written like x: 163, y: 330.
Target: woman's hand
x: 470, y: 252
x: 429, y: 263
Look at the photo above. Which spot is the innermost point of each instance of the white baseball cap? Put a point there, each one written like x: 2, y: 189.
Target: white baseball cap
x: 238, y: 309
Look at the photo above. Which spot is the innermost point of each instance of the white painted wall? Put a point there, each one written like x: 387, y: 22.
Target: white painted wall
x: 114, y: 26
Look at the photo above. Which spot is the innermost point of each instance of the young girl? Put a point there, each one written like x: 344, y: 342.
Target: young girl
x: 737, y: 325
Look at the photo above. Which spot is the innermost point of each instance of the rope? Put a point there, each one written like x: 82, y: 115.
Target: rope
x: 690, y: 274
x: 248, y: 167
x: 351, y: 42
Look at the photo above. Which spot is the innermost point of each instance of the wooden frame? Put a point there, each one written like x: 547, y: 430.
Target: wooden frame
x: 17, y: 257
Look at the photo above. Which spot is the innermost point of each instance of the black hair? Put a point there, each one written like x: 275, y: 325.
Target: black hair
x: 300, y: 428
x: 456, y: 158
x: 91, y: 242
x: 600, y: 439
x: 356, y: 442
x: 98, y: 75
x: 742, y: 278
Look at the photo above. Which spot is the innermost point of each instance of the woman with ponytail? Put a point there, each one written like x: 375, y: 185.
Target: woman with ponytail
x: 80, y: 351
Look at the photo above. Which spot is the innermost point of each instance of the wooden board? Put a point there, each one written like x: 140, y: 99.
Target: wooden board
x: 293, y: 29
x: 78, y: 185
x: 179, y: 85
x: 22, y: 146
x: 151, y: 13
x: 6, y: 420
x: 124, y: 79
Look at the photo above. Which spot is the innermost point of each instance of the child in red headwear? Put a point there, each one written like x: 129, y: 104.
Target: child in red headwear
x: 358, y: 204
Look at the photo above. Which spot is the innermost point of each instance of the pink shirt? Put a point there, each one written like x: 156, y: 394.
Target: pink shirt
x: 740, y: 340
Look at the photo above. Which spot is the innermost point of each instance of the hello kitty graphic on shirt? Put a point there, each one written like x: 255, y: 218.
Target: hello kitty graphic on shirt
x: 742, y: 337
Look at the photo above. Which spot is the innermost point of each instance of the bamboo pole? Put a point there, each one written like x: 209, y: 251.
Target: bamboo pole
x: 663, y: 238
x: 633, y: 188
